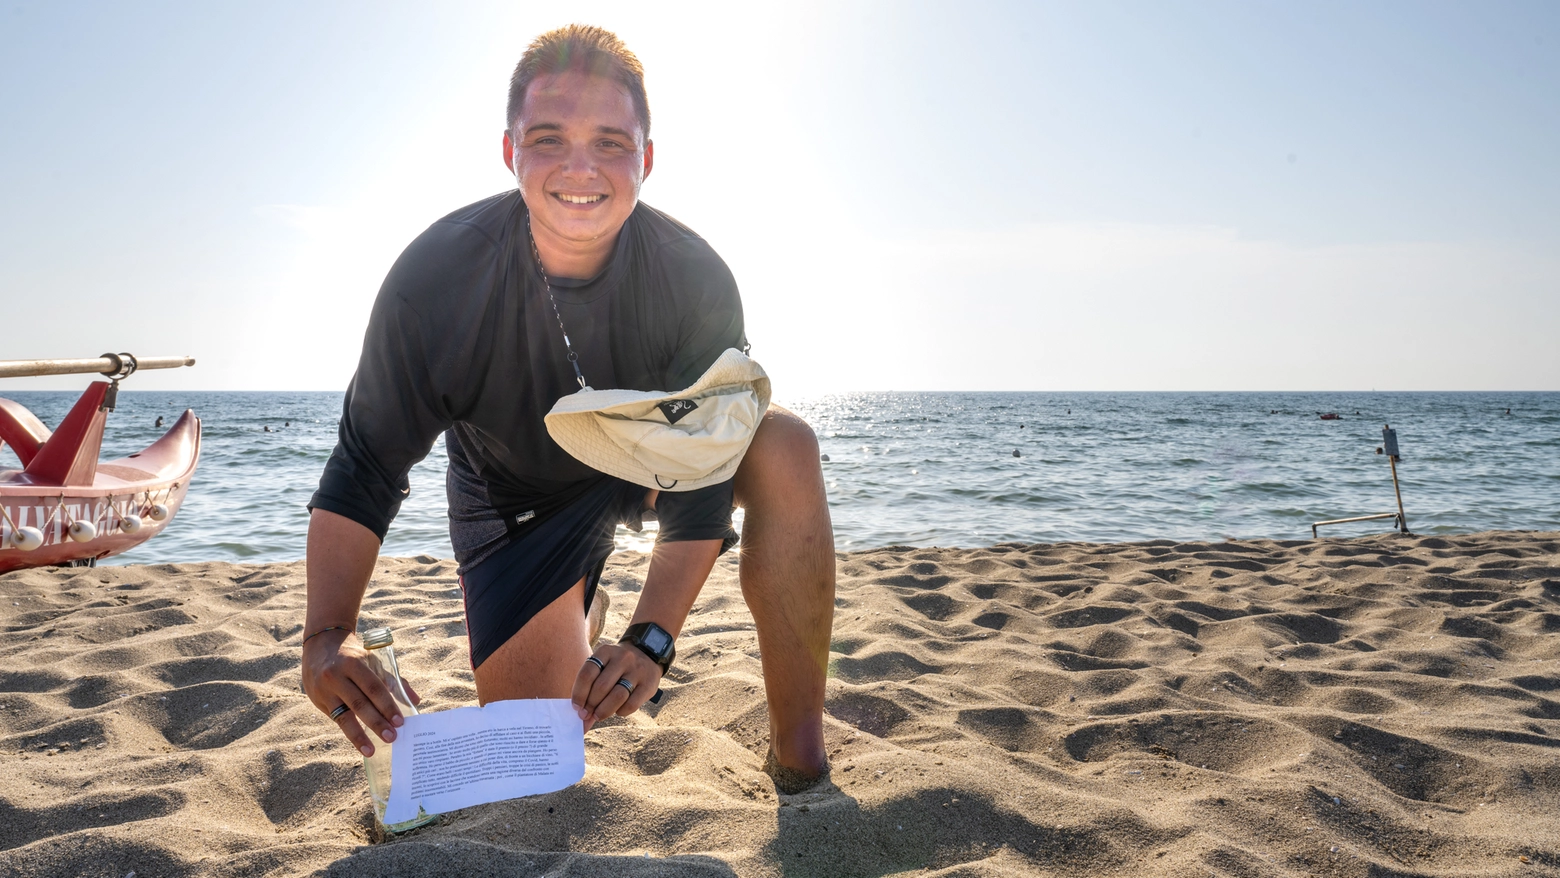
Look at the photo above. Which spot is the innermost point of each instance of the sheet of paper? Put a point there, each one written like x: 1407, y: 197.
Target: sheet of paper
x: 473, y: 755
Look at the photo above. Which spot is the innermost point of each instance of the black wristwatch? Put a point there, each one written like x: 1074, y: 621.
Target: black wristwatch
x: 654, y: 641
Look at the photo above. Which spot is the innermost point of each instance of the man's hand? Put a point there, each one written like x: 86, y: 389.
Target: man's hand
x: 600, y: 693
x: 677, y: 572
x: 336, y: 671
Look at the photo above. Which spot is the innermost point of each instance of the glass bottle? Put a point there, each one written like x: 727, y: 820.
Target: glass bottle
x: 380, y: 643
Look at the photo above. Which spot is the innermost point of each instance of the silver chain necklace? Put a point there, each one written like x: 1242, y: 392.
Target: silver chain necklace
x: 574, y: 359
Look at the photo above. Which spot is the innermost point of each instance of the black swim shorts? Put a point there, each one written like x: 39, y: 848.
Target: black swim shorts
x: 507, y: 588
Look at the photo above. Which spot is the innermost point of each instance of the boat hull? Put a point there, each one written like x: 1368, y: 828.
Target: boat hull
x: 127, y: 489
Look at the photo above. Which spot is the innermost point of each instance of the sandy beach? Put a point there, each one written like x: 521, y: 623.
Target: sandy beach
x: 1382, y: 706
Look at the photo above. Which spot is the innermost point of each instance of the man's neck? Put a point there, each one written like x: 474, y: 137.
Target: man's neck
x: 573, y: 259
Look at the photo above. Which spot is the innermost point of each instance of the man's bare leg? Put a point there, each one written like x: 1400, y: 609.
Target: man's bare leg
x: 543, y: 658
x: 787, y: 572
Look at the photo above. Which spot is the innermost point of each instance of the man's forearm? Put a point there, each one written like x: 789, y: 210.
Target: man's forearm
x: 677, y: 573
x: 340, y: 559
x: 341, y: 555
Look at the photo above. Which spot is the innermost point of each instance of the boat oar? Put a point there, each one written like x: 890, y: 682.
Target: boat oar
x: 117, y: 365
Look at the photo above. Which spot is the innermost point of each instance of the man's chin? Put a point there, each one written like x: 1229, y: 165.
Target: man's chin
x: 579, y: 230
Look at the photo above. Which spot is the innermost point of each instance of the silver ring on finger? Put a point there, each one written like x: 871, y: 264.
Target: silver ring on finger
x: 626, y: 685
x: 597, y: 662
x: 340, y: 709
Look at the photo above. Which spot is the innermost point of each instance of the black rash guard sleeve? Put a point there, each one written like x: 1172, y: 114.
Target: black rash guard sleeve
x: 394, y: 409
x: 712, y: 323
x: 704, y: 514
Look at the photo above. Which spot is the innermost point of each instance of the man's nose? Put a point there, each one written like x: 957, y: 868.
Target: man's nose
x: 579, y: 164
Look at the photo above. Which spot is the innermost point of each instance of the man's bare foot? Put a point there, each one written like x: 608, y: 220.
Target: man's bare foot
x: 596, y: 614
x: 789, y: 780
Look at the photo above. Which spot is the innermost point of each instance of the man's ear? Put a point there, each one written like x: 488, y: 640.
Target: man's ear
x: 649, y: 157
x: 509, y: 153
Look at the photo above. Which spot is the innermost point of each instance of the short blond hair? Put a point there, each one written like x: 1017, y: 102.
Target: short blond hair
x: 595, y: 50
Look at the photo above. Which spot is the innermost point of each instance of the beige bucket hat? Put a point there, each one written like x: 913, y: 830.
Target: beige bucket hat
x: 678, y: 440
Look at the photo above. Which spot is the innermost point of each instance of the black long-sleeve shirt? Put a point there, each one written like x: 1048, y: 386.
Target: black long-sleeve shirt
x: 463, y: 340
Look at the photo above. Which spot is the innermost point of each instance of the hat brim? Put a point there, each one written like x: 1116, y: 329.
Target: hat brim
x: 625, y: 433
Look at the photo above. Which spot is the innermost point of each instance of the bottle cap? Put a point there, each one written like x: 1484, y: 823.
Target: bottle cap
x: 374, y: 638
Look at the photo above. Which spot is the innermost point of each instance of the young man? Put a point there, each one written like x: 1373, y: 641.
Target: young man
x: 488, y: 318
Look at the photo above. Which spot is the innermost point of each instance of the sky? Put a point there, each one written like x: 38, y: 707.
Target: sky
x: 912, y: 196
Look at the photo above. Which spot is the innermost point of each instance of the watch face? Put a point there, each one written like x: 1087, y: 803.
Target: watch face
x: 658, y: 640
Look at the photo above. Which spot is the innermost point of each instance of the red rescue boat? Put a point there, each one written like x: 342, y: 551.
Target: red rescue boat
x: 64, y: 507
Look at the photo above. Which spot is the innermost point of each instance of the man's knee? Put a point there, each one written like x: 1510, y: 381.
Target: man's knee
x: 784, y: 448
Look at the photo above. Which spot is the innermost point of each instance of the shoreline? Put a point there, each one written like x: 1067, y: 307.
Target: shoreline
x: 1370, y: 705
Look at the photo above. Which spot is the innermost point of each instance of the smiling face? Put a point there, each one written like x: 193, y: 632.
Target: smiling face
x: 580, y: 155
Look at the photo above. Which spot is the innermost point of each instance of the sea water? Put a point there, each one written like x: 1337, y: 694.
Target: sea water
x: 939, y: 469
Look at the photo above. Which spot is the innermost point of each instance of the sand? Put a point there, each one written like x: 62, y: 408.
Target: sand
x: 1384, y: 706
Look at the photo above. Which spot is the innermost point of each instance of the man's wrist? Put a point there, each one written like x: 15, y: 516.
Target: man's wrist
x: 655, y: 642
x: 346, y: 629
